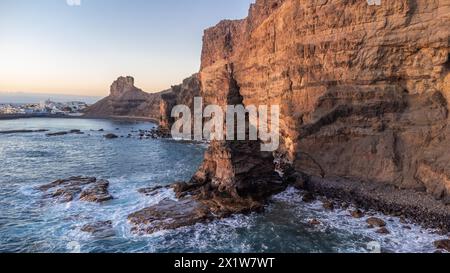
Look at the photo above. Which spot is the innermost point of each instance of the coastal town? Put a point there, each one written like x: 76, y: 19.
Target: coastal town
x: 45, y: 108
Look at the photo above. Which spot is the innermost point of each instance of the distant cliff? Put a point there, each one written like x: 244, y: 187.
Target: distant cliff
x: 126, y: 100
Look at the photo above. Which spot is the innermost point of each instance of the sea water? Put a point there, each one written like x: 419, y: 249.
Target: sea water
x: 28, y: 223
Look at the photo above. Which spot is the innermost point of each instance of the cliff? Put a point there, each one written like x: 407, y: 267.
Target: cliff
x: 182, y: 94
x: 363, y: 90
x: 126, y: 100
x: 364, y: 93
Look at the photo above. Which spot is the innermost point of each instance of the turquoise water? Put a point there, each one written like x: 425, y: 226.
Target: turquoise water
x: 30, y: 224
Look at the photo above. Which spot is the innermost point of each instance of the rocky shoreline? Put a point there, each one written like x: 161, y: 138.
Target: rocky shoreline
x: 419, y: 207
x: 190, y: 209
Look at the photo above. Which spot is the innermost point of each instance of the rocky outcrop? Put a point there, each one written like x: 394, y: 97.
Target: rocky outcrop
x: 235, y: 177
x: 127, y: 101
x: 169, y: 214
x: 87, y: 189
x: 63, y: 133
x: 102, y: 229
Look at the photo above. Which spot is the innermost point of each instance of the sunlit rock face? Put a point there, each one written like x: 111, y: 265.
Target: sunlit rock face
x: 363, y: 89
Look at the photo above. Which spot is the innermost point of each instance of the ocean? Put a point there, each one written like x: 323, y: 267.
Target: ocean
x: 29, y: 223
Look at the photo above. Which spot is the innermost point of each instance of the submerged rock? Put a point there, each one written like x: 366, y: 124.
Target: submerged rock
x: 110, y: 136
x: 57, y: 134
x: 63, y: 133
x: 97, y: 192
x: 87, y: 189
x: 383, y: 231
x: 376, y: 222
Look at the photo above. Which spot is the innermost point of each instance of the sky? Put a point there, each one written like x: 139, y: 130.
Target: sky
x: 79, y: 47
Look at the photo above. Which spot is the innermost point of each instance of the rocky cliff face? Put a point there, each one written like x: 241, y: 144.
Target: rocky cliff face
x: 126, y: 100
x: 182, y: 94
x: 364, y: 91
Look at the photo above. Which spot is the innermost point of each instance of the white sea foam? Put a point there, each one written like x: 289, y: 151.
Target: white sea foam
x: 415, y: 239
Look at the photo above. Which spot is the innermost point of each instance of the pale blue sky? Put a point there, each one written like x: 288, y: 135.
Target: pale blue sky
x: 48, y: 46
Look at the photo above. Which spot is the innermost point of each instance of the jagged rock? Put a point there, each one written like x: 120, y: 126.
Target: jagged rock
x: 443, y: 244
x: 77, y: 188
x: 376, y: 222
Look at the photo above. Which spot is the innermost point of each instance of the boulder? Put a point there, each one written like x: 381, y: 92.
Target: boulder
x: 169, y: 214
x: 100, y: 229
